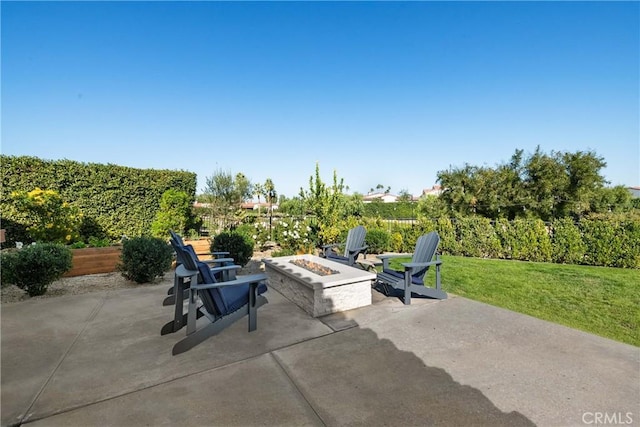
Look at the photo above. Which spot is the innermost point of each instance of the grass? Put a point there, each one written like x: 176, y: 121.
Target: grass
x: 600, y: 300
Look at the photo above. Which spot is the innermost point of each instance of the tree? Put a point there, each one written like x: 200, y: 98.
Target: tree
x: 175, y: 213
x: 258, y: 191
x: 584, y: 180
x: 539, y: 186
x: 405, y: 196
x: 327, y: 204
x: 226, y: 193
x: 546, y: 182
x: 270, y: 196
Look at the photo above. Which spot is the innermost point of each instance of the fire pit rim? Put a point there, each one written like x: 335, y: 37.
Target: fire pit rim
x: 346, y: 274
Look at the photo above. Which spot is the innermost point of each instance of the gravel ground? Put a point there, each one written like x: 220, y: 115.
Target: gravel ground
x: 103, y: 282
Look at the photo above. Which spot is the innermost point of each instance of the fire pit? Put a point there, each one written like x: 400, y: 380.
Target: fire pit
x: 313, y: 267
x: 317, y: 285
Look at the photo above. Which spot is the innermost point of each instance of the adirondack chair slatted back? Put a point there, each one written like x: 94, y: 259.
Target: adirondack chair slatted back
x: 178, y: 250
x: 212, y: 299
x: 355, y: 239
x: 177, y: 244
x: 426, y: 247
x: 175, y: 236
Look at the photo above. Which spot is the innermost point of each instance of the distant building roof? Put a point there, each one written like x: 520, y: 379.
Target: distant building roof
x: 385, y: 197
x: 433, y: 191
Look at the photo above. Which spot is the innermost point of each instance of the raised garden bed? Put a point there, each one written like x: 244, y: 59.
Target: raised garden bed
x: 104, y: 260
x: 94, y: 260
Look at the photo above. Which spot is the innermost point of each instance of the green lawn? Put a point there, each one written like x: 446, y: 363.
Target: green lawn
x: 601, y: 300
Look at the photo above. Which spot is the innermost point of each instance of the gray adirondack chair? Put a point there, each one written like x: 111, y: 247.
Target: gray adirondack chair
x: 411, y: 280
x: 177, y: 242
x: 353, y: 247
x: 221, y: 302
x: 177, y: 239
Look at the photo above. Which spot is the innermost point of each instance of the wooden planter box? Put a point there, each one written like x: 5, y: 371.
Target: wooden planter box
x: 94, y: 260
x: 202, y: 248
x: 104, y: 260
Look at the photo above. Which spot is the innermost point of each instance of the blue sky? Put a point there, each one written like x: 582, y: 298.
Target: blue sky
x: 382, y: 92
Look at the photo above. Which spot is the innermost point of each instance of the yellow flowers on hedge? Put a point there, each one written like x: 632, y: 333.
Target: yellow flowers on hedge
x: 51, y: 218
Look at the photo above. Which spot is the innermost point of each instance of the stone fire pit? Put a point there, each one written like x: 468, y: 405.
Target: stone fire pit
x: 343, y: 289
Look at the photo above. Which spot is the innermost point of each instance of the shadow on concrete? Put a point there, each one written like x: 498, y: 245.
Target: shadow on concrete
x: 353, y: 377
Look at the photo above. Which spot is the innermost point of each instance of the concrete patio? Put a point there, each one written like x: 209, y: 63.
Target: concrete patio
x: 99, y: 359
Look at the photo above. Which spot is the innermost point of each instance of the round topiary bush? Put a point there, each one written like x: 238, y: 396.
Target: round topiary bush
x: 238, y: 244
x: 35, y: 267
x: 145, y: 258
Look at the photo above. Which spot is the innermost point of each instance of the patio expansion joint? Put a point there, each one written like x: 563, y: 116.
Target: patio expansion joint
x: 26, y: 419
x: 92, y: 315
x: 294, y: 384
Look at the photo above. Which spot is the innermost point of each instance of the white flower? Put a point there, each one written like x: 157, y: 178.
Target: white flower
x: 19, y: 245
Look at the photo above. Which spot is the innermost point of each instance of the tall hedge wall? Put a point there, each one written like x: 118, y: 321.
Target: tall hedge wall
x: 604, y: 240
x: 116, y: 199
x: 390, y: 210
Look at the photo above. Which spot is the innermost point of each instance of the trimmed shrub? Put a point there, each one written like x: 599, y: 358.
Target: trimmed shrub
x: 396, y: 243
x: 478, y: 237
x: 35, y: 267
x: 378, y: 241
x: 239, y: 246
x: 449, y: 243
x: 567, y: 246
x: 530, y: 240
x: 612, y: 240
x: 145, y: 258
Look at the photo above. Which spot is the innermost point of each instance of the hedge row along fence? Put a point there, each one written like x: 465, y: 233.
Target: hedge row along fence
x: 114, y: 200
x: 602, y: 240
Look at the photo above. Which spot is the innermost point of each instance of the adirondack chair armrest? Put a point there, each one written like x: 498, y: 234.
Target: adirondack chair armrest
x: 254, y: 278
x: 325, y: 248
x: 421, y: 264
x: 411, y: 266
x: 358, y: 250
x: 217, y: 260
x: 386, y: 257
x: 225, y: 268
x: 218, y: 253
x: 333, y: 245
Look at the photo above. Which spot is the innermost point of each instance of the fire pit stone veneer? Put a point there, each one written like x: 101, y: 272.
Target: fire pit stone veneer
x: 318, y: 295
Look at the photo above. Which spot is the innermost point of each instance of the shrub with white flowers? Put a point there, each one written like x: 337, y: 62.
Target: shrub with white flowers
x: 293, y: 234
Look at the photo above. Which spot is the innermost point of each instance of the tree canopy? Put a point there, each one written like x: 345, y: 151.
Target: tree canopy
x: 540, y: 185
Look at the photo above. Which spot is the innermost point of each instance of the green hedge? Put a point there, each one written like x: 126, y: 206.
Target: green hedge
x: 390, y: 210
x: 604, y: 239
x: 611, y: 240
x: 114, y: 200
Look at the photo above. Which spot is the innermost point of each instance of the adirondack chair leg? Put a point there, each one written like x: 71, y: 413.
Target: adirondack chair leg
x: 178, y: 292
x: 197, y: 337
x: 179, y: 319
x: 171, y: 299
x: 438, y: 284
x: 407, y: 287
x: 253, y: 310
x: 192, y: 313
x: 169, y: 327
